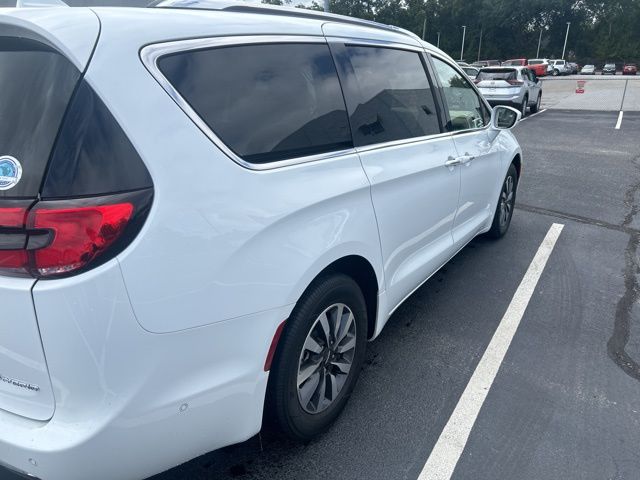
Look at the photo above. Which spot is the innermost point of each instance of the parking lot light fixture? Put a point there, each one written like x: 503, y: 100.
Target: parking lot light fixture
x: 566, y: 37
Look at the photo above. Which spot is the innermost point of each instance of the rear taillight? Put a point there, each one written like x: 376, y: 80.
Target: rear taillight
x: 78, y: 235
x: 55, y: 238
x: 515, y: 82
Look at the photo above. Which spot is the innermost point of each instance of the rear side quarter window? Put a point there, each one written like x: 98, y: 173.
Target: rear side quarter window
x: 265, y: 102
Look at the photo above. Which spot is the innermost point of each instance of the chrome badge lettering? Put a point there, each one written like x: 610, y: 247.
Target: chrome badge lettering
x: 18, y: 383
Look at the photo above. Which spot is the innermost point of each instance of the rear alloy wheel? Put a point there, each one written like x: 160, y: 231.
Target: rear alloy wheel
x: 506, y: 204
x: 556, y: 72
x: 319, y: 358
x: 536, y: 108
x: 523, y: 107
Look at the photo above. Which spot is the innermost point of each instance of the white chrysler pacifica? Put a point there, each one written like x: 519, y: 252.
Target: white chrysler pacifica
x: 206, y: 211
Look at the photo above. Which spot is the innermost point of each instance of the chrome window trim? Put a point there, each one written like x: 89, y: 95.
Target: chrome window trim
x: 404, y: 141
x: 457, y: 67
x: 369, y: 42
x: 150, y: 55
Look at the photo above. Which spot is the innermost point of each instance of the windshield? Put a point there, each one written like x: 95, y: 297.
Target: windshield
x: 513, y: 63
x: 495, y: 74
x: 609, y: 65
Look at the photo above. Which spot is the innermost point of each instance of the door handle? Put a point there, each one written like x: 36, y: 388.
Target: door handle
x: 463, y: 160
x: 452, y: 162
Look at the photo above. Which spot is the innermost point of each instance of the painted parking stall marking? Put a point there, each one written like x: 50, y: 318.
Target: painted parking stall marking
x: 619, y: 122
x: 445, y: 455
x: 533, y: 115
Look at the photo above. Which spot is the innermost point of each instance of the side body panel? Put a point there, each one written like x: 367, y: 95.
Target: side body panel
x: 234, y: 241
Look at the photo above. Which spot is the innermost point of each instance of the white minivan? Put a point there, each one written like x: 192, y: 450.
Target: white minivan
x: 206, y: 211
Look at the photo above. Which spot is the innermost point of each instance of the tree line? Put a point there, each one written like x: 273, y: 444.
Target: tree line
x: 600, y: 30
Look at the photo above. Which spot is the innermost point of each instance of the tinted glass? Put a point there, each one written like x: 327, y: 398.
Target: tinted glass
x: 93, y: 156
x: 466, y: 110
x: 265, y: 102
x: 36, y: 84
x: 502, y: 74
x: 388, y: 94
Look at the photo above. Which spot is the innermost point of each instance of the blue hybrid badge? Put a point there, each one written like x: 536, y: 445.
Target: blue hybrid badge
x: 10, y: 172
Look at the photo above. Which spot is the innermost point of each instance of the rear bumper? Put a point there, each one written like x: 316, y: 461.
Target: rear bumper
x: 130, y: 403
x: 515, y: 102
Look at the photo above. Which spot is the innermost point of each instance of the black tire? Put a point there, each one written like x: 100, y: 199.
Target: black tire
x: 524, y: 106
x: 284, y: 409
x: 500, y: 224
x: 535, y: 107
x: 556, y: 72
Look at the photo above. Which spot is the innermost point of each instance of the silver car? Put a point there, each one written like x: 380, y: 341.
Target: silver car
x: 517, y: 87
x: 588, y: 70
x: 560, y: 67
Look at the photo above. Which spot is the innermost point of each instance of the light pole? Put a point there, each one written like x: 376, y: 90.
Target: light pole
x: 480, y: 44
x: 424, y: 26
x: 326, y: 5
x: 565, y: 39
x: 438, y: 45
x: 464, y: 32
x: 539, y: 41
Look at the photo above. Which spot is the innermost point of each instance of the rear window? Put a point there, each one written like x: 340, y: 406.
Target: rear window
x: 489, y: 74
x: 265, y: 102
x: 389, y: 95
x: 536, y: 62
x: 36, y: 84
x: 513, y: 63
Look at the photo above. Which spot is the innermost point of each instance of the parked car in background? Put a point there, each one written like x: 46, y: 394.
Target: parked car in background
x: 575, y: 68
x: 609, y: 69
x: 170, y: 273
x: 472, y: 72
x: 630, y: 69
x: 517, y: 87
x: 559, y: 67
x: 588, y: 70
x: 486, y: 63
x: 541, y: 61
x: 462, y: 63
x: 539, y: 69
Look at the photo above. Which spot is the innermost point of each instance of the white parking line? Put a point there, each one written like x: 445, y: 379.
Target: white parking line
x: 533, y: 115
x: 619, y: 124
x: 453, y: 439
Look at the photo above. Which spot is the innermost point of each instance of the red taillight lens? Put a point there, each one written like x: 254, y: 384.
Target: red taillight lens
x: 515, y: 82
x: 79, y: 235
x: 13, y: 217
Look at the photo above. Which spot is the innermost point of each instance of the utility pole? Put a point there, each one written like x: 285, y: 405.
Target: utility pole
x: 326, y: 5
x: 480, y: 44
x: 438, y: 45
x: 539, y: 42
x: 464, y: 32
x: 565, y: 40
x: 424, y: 26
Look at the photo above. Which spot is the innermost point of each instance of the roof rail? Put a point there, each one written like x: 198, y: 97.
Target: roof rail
x: 266, y: 9
x: 40, y: 3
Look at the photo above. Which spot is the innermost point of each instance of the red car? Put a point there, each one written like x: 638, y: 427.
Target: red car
x: 630, y: 69
x: 539, y: 69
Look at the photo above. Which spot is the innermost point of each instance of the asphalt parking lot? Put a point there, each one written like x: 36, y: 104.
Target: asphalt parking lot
x: 565, y: 403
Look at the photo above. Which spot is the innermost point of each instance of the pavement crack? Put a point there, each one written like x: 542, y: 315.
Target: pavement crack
x: 624, y: 228
x: 617, y: 344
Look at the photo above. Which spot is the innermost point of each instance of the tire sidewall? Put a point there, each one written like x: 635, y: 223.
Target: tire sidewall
x: 335, y: 289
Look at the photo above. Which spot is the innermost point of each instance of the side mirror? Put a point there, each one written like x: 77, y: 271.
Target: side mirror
x: 504, y: 118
